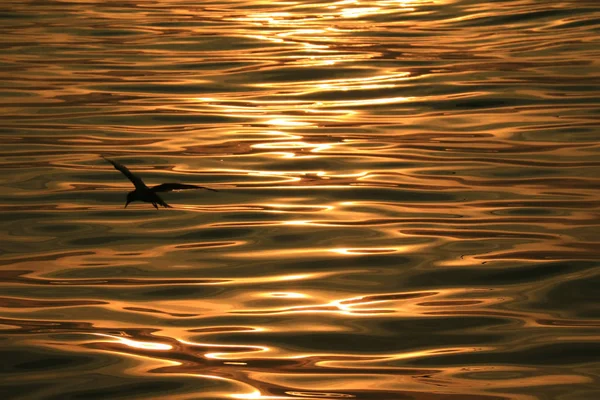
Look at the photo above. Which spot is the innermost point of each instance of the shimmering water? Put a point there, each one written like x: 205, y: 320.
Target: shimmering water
x: 408, y: 202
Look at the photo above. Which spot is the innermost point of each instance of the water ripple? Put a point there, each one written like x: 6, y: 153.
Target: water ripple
x: 407, y: 201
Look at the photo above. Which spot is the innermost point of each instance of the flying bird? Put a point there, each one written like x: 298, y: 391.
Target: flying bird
x: 149, y: 194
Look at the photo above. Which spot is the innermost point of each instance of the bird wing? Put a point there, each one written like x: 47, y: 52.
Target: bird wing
x: 136, y: 180
x: 167, y: 187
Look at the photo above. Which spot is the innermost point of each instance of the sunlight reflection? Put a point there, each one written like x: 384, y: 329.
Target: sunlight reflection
x: 266, y: 38
x: 311, y: 147
x: 359, y: 12
x: 409, y: 303
x: 310, y: 252
x: 287, y: 122
x: 280, y: 278
x: 295, y: 277
x: 287, y: 295
x: 380, y: 250
x: 297, y: 222
x: 376, y: 362
x: 137, y: 344
x: 249, y: 349
x: 369, y: 82
x: 302, y: 32
x: 256, y: 395
x: 283, y: 208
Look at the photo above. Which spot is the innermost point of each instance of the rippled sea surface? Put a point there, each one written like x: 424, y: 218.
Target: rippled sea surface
x: 408, y: 200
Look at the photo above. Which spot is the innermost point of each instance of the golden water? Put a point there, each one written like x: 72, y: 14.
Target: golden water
x: 408, y: 201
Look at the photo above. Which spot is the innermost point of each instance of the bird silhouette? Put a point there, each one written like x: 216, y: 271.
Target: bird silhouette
x: 149, y: 194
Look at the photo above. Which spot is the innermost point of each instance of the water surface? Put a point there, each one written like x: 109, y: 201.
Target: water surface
x: 408, y: 202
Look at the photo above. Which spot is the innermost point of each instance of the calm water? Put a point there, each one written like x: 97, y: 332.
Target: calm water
x: 408, y: 202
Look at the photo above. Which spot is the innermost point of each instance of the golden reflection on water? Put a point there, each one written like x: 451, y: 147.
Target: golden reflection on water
x: 407, y: 201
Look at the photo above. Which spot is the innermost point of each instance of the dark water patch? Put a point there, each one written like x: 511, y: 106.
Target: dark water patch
x: 41, y: 258
x: 577, y: 297
x: 12, y: 302
x: 400, y: 336
x: 216, y: 234
x: 96, y: 241
x: 485, y: 275
x: 27, y: 361
x: 124, y: 391
x: 569, y: 353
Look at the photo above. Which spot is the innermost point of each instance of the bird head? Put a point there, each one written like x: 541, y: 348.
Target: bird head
x: 131, y: 196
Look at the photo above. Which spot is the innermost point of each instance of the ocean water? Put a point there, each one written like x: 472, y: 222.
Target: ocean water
x: 408, y: 200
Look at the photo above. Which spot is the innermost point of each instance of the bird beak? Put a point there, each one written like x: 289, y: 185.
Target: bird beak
x: 126, y: 204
